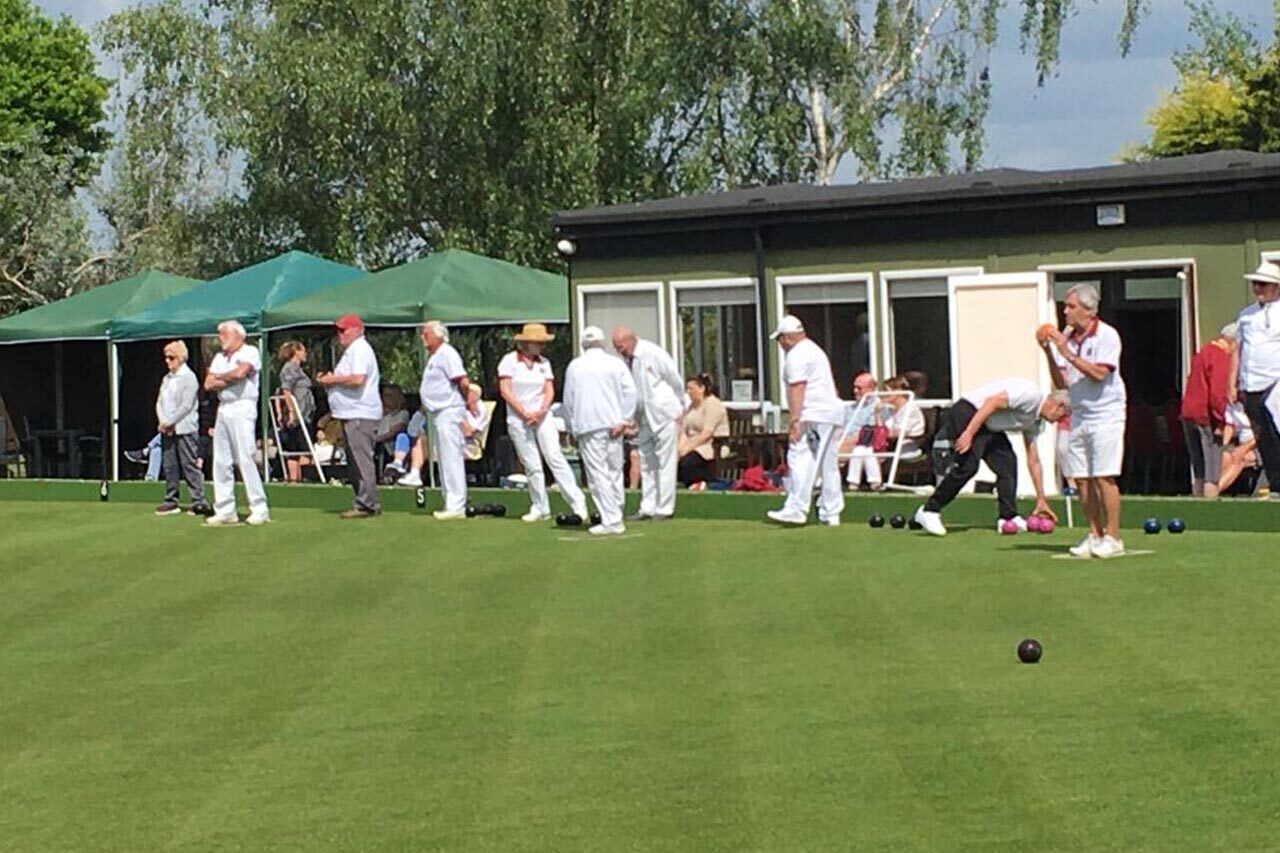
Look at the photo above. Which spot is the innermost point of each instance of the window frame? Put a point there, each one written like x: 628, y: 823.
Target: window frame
x: 677, y: 346
x: 582, y: 290
x: 781, y: 282
x: 888, y: 277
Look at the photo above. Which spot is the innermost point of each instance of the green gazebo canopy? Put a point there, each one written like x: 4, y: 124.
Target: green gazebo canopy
x: 452, y: 286
x: 88, y: 315
x: 243, y: 295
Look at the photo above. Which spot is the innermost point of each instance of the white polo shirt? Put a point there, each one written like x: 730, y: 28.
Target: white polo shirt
x: 1094, y: 402
x: 1259, y: 328
x: 246, y: 389
x: 363, y: 403
x: 807, y: 363
x: 1023, y: 412
x: 528, y: 381
x: 439, y: 390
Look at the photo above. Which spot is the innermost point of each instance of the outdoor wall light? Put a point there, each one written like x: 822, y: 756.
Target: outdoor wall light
x: 566, y: 247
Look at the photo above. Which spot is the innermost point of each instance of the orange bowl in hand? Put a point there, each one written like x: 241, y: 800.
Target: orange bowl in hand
x: 1043, y: 333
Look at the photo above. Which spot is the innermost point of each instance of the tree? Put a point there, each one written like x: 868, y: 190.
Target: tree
x: 48, y: 87
x: 42, y: 231
x: 373, y: 131
x: 1227, y: 95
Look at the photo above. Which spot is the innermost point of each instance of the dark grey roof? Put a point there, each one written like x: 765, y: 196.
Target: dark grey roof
x: 995, y: 184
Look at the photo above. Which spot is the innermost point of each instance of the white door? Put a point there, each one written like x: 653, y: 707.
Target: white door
x: 993, y: 323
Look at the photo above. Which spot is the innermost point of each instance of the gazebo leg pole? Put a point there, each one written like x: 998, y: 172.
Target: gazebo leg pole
x: 113, y: 383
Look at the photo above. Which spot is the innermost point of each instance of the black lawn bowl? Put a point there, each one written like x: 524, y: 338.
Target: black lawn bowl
x: 876, y: 520
x: 897, y: 522
x: 1029, y: 651
x: 1177, y: 525
x: 1151, y: 526
x: 568, y: 519
x: 595, y: 518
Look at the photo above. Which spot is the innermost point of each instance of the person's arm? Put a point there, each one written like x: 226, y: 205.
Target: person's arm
x: 1037, y: 478
x: 669, y: 373
x: 214, y: 382
x: 161, y: 424
x: 628, y: 397
x: 235, y: 374
x: 795, y: 403
x: 342, y: 380
x: 1093, y: 370
x: 188, y: 398
x: 1055, y: 370
x: 509, y: 397
x: 989, y: 407
x: 548, y: 397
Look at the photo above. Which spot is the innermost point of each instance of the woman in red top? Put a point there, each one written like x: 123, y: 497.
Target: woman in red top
x: 1204, y: 404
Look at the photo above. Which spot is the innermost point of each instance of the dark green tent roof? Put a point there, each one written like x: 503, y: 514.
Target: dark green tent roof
x: 243, y: 295
x: 88, y: 315
x: 452, y: 286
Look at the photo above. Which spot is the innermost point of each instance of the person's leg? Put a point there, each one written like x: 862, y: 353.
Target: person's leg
x: 831, y: 497
x: 1233, y: 465
x: 525, y: 441
x: 1109, y: 495
x: 188, y: 461
x: 360, y: 468
x: 224, y: 468
x: 1003, y: 462
x: 963, y: 466
x: 602, y: 461
x: 633, y: 467
x: 418, y: 455
x: 803, y: 460
x: 1211, y: 453
x: 169, y: 453
x: 871, y: 469
x: 155, y: 458
x: 647, y: 446
x: 1265, y: 432
x: 243, y: 437
x: 613, y: 458
x: 665, y: 446
x: 1192, y: 434
x: 549, y: 441
x: 450, y: 456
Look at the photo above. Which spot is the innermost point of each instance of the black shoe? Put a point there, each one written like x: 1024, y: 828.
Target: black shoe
x: 137, y: 457
x: 639, y: 517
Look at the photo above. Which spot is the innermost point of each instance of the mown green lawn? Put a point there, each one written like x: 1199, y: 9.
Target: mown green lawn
x: 400, y: 684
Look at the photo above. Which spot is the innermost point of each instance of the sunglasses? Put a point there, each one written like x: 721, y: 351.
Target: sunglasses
x: 170, y: 358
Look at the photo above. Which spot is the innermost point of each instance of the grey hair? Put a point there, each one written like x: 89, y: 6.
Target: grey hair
x: 178, y: 348
x: 1087, y: 294
x: 435, y: 327
x: 1062, y: 397
x: 586, y: 345
x: 1230, y: 332
x: 232, y: 326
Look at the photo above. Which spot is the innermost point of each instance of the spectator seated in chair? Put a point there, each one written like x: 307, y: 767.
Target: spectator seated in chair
x: 705, y: 419
x: 859, y: 427
x: 475, y: 425
x: 1239, y: 447
x: 393, y: 424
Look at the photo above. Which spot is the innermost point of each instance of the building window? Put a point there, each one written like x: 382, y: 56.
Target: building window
x: 836, y: 314
x: 718, y: 332
x: 636, y: 306
x: 920, y: 331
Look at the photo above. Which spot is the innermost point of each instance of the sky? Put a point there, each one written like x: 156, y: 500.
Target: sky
x: 1082, y: 117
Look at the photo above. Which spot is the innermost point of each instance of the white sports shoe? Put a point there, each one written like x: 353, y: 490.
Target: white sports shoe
x: 446, y: 515
x: 1085, y: 547
x: 222, y: 521
x: 259, y: 520
x: 931, y: 522
x: 833, y: 521
x: 607, y: 530
x: 1108, y: 547
x: 413, y: 478
x: 781, y: 516
x: 533, y: 516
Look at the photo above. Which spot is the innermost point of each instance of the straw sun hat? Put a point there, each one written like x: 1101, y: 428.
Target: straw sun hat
x: 534, y: 333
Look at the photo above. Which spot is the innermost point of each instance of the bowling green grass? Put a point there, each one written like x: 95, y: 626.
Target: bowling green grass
x: 400, y: 684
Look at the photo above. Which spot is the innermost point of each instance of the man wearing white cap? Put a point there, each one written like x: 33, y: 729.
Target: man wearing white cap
x: 817, y: 420
x: 1255, y: 367
x: 599, y: 404
x: 234, y: 375
x: 443, y: 393
x: 660, y: 403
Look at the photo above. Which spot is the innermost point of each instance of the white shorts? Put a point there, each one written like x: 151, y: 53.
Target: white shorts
x: 1096, y: 450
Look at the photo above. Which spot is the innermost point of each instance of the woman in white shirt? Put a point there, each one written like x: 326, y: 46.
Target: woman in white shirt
x: 905, y: 418
x: 527, y: 385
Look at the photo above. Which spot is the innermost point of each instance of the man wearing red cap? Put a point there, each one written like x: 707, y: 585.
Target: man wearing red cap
x: 354, y: 400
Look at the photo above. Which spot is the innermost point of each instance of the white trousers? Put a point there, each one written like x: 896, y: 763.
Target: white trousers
x: 233, y: 446
x: 450, y: 451
x: 602, y: 460
x: 815, y: 457
x: 862, y: 459
x: 535, y: 444
x: 658, y: 461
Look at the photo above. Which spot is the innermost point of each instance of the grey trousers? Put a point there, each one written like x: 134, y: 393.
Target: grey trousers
x: 364, y: 482
x: 179, y: 454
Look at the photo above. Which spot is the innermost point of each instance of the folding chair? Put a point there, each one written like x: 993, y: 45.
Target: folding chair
x: 288, y: 400
x: 895, y: 455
